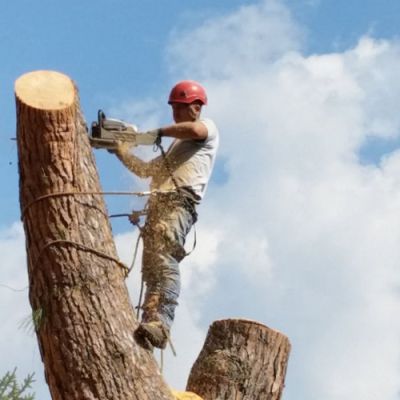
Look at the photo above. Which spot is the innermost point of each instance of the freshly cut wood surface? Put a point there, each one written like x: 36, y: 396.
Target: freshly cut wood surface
x: 45, y: 90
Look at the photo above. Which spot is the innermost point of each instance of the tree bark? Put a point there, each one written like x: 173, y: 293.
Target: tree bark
x: 82, y: 313
x: 240, y: 360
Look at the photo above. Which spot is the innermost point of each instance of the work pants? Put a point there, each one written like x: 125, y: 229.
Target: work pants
x: 169, y: 220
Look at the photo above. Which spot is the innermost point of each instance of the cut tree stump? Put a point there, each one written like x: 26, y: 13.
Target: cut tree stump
x: 82, y: 313
x: 240, y: 360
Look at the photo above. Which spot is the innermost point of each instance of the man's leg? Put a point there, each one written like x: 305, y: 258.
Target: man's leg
x: 163, y: 250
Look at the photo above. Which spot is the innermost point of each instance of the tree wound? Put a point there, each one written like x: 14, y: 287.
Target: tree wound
x: 45, y: 90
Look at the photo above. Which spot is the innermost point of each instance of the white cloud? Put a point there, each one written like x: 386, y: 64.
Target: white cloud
x: 373, y: 62
x: 236, y: 43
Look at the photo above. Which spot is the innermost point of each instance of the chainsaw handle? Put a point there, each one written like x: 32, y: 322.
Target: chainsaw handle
x: 101, y: 117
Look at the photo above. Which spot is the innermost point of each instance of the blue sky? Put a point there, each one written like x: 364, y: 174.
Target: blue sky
x: 300, y: 225
x: 336, y: 25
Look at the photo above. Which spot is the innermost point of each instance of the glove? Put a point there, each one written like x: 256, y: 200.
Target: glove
x: 149, y: 137
x: 134, y: 217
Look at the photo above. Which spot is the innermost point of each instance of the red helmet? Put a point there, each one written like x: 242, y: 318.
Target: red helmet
x: 187, y: 92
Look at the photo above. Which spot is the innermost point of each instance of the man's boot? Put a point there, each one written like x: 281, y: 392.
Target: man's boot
x: 153, y: 334
x: 151, y: 331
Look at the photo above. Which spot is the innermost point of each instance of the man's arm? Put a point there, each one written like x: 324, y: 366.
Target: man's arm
x: 195, y: 130
x: 186, y: 130
x: 142, y: 169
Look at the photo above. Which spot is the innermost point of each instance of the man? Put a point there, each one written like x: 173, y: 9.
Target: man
x: 180, y: 177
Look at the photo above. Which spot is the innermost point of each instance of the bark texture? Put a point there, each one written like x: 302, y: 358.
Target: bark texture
x: 240, y: 360
x: 81, y: 308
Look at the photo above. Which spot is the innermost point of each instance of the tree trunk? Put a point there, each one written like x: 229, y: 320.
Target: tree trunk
x: 81, y: 308
x: 240, y: 360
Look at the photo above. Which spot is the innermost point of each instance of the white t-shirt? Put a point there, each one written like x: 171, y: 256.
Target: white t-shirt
x: 191, y: 161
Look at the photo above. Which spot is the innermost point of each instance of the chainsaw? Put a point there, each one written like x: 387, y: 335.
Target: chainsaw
x: 107, y: 133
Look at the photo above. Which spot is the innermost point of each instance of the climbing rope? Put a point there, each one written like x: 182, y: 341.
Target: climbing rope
x: 87, y: 193
x: 82, y: 247
x: 134, y: 218
x: 13, y: 289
